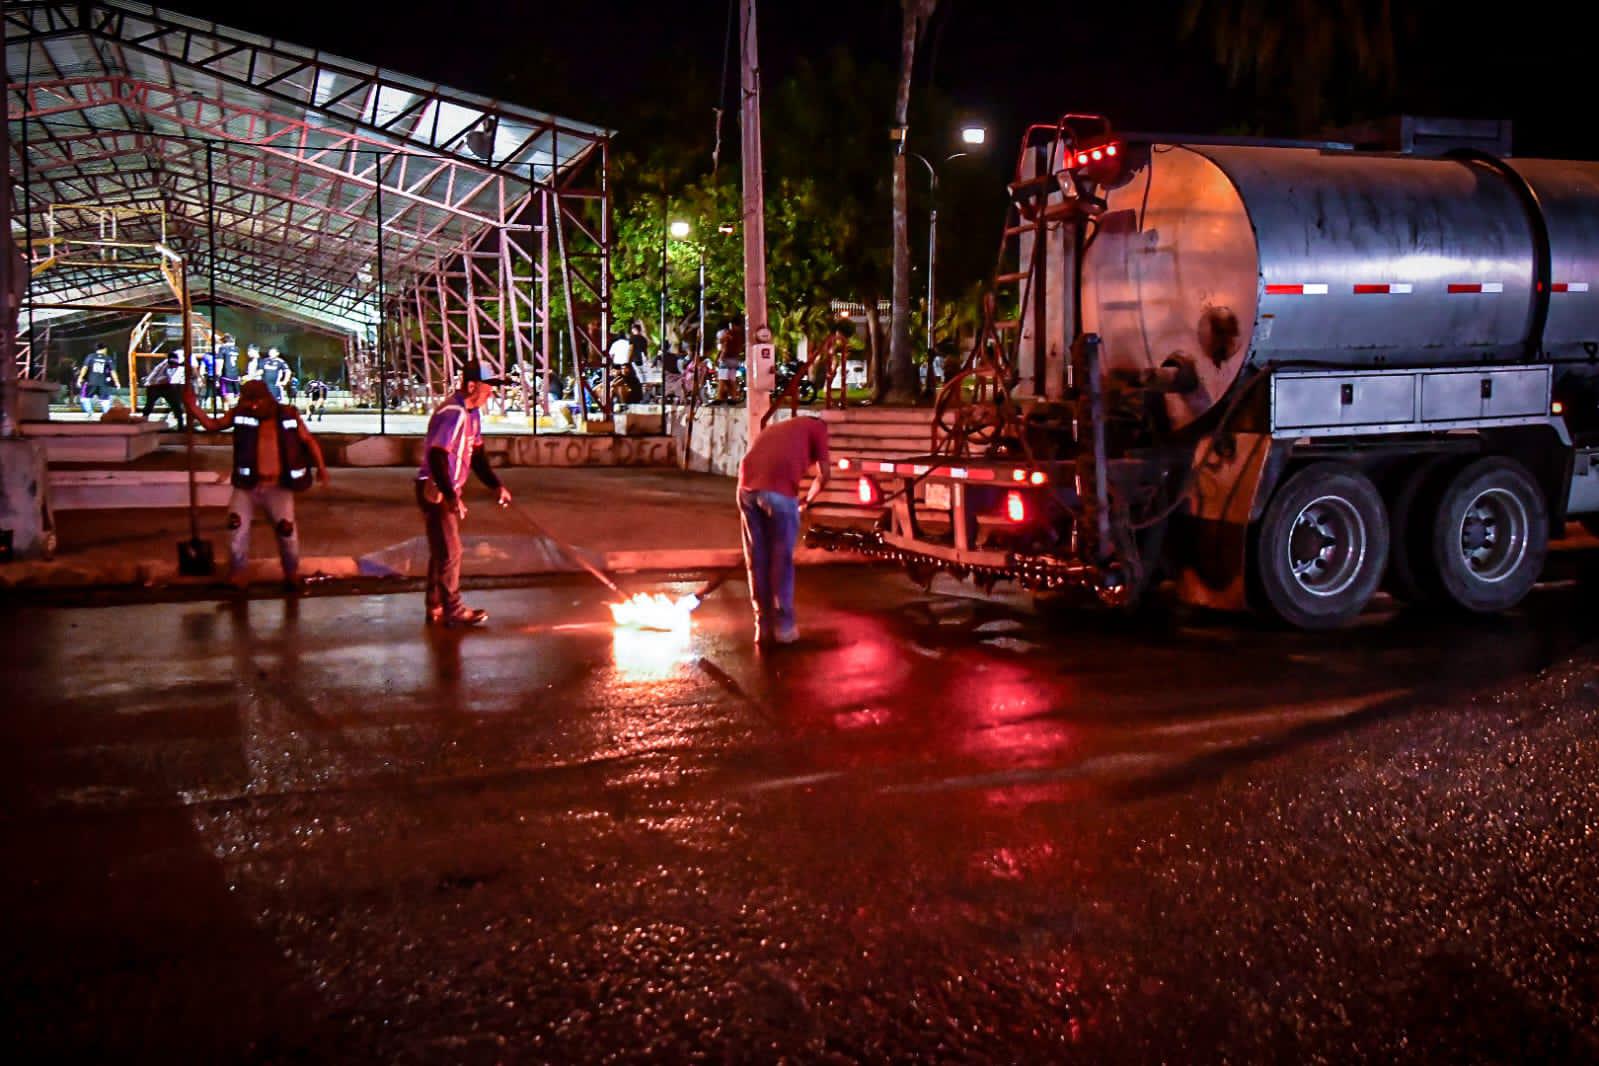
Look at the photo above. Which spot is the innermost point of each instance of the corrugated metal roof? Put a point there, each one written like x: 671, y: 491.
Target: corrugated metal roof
x: 294, y: 153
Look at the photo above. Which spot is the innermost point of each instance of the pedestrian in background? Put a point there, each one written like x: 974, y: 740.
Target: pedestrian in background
x: 317, y: 393
x: 275, y: 372
x: 274, y: 457
x: 769, y: 511
x: 165, y: 383
x: 729, y: 358
x: 227, y: 364
x: 97, y: 377
x: 453, y: 449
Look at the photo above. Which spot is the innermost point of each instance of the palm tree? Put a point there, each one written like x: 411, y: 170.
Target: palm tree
x: 1319, y: 51
x: 901, y: 374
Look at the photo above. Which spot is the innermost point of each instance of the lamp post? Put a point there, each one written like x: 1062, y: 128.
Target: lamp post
x: 975, y: 136
x: 675, y: 230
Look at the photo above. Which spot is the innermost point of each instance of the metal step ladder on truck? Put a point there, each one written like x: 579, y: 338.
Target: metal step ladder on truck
x: 1279, y: 374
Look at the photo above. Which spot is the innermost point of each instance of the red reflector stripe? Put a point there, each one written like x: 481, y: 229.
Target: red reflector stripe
x: 1393, y: 288
x: 1307, y: 289
x: 1570, y: 286
x: 1363, y: 290
x: 1477, y: 286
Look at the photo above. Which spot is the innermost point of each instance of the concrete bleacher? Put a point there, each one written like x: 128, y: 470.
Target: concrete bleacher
x: 94, y: 490
x: 94, y: 442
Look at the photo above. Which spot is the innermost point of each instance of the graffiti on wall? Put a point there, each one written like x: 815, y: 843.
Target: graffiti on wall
x: 587, y: 451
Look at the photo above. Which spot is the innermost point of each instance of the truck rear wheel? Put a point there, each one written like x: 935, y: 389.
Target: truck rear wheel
x: 1323, y: 546
x: 1490, y: 536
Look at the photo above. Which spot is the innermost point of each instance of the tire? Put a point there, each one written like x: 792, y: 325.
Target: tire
x: 1412, y: 512
x: 1322, y: 546
x: 1490, y: 535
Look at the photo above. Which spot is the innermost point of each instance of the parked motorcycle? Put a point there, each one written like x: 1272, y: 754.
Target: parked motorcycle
x: 787, y: 371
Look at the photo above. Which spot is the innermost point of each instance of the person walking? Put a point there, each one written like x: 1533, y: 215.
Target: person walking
x: 769, y: 513
x: 274, y: 456
x: 317, y: 393
x: 454, y: 448
x: 97, y: 377
x: 165, y: 383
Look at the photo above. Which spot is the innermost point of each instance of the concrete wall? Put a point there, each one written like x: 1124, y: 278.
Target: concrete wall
x: 719, y: 440
x: 24, y: 498
x: 521, y: 450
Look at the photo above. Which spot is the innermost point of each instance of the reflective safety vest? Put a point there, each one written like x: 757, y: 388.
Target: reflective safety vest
x: 294, y: 458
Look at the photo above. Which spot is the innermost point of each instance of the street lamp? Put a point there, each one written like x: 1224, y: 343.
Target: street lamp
x: 677, y: 229
x: 972, y: 135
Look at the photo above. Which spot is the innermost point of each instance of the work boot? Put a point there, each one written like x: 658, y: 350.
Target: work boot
x: 466, y: 617
x: 787, y: 635
x: 435, y: 616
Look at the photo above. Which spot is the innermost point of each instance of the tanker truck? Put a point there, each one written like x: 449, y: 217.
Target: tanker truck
x: 1278, y: 375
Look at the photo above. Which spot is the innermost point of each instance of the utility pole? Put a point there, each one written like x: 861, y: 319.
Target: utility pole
x: 27, y: 527
x: 9, y: 296
x: 757, y: 331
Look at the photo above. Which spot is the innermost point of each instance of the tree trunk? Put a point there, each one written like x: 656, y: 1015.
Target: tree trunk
x: 876, y: 378
x: 901, y: 373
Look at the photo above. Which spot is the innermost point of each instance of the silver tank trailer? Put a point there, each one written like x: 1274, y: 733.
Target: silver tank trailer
x: 1235, y: 256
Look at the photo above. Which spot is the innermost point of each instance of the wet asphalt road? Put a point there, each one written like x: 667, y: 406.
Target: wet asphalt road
x: 935, y: 830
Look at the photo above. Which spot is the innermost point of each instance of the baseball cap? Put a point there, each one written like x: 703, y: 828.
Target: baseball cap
x: 480, y: 370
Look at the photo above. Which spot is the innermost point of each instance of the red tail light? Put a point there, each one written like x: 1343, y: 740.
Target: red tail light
x: 866, y: 491
x: 1015, y: 507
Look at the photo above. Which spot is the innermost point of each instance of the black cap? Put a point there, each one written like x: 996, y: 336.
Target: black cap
x: 480, y: 370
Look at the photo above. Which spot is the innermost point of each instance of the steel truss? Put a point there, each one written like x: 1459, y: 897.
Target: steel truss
x: 420, y: 222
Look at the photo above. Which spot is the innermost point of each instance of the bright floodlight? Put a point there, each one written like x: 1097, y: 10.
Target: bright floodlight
x: 973, y: 135
x: 679, y: 229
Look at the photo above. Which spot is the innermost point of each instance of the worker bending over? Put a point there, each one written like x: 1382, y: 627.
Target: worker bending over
x: 769, y: 511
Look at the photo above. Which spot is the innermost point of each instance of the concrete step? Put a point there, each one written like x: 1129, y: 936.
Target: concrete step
x: 95, y: 442
x: 95, y: 490
x: 879, y: 415
x: 895, y: 447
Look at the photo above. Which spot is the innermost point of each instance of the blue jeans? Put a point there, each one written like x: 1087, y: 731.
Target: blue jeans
x: 771, y: 527
x: 278, y: 503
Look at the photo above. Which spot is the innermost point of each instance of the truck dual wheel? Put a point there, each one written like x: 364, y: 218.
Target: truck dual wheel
x: 1322, y: 546
x: 1490, y: 535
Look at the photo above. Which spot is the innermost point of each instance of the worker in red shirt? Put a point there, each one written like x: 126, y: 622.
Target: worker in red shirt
x: 769, y: 509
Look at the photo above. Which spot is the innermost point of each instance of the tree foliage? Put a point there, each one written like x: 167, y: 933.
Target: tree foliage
x: 1315, y: 55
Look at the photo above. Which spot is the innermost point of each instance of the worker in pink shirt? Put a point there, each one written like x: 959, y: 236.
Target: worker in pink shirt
x: 769, y: 509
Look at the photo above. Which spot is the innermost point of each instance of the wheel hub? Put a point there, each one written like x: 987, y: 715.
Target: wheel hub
x: 1327, y: 546
x: 1493, y: 534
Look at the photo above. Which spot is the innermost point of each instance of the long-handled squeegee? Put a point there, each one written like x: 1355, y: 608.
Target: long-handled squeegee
x: 714, y: 583
x: 564, y: 548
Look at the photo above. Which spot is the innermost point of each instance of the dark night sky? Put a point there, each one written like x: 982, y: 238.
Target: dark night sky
x: 1010, y: 61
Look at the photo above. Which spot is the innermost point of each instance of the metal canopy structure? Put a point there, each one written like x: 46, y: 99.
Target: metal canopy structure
x: 425, y: 224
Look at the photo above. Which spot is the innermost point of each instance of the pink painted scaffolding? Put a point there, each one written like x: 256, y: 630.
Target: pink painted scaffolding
x: 424, y: 225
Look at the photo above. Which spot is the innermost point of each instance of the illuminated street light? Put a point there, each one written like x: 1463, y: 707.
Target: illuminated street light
x: 973, y: 136
x: 680, y: 229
